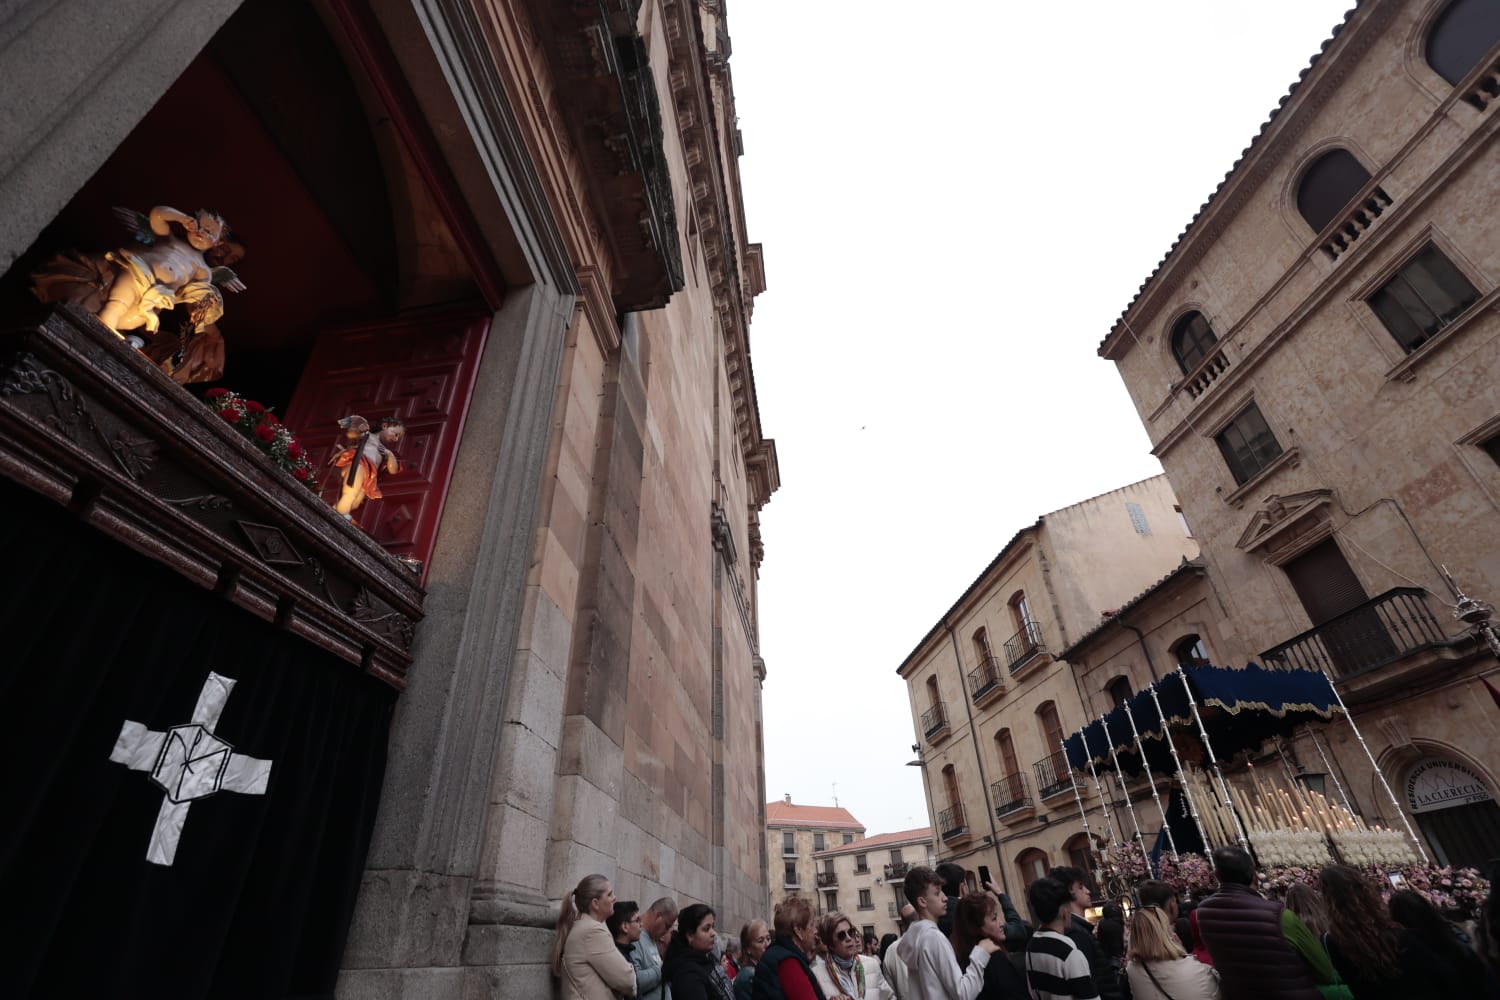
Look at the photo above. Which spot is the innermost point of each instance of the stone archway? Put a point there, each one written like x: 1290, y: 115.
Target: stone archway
x: 1450, y: 799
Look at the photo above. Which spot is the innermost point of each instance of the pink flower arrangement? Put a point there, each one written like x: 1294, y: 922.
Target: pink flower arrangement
x: 260, y: 426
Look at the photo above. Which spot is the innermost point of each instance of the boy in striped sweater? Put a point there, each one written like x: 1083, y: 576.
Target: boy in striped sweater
x: 1055, y: 968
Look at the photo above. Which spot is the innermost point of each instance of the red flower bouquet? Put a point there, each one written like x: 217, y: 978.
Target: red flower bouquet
x: 261, y: 427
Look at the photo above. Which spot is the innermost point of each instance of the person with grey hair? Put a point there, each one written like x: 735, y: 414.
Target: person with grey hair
x: 647, y: 956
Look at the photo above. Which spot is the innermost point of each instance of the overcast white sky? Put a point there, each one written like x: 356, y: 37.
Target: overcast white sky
x: 957, y: 200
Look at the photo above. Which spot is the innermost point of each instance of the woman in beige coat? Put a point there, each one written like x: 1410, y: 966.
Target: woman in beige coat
x: 585, y: 957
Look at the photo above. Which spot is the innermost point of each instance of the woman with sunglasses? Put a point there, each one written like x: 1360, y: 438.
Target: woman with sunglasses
x: 847, y: 973
x: 1159, y: 968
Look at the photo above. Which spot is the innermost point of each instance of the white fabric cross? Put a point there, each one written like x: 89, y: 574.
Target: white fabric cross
x: 189, y: 762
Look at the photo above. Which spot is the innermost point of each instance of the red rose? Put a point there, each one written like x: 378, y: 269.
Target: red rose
x: 216, y: 393
x: 294, y: 449
x: 269, y: 418
x: 301, y: 472
x: 253, y: 406
x: 265, y: 433
x: 233, y: 416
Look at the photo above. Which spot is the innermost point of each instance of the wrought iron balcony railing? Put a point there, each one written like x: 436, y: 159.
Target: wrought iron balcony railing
x: 1011, y: 795
x: 1025, y: 646
x: 1052, y: 775
x: 826, y: 879
x: 897, y: 869
x: 1380, y: 631
x: 951, y: 822
x: 934, y: 720
x: 984, y: 679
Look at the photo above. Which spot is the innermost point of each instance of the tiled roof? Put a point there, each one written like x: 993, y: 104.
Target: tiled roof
x: 924, y: 836
x: 781, y: 813
x: 1244, y: 155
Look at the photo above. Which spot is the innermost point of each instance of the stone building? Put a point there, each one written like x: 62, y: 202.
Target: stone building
x: 864, y: 879
x: 794, y: 834
x: 991, y: 700
x: 1317, y: 363
x: 518, y: 227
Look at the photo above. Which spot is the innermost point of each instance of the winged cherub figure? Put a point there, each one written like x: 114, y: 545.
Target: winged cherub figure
x: 363, y: 454
x: 177, y: 259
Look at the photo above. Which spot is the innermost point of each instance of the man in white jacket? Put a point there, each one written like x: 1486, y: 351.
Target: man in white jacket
x: 931, y: 969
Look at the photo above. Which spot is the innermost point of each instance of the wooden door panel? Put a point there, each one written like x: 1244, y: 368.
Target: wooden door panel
x: 422, y: 371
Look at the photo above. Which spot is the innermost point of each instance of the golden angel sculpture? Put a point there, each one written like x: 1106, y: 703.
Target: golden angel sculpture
x: 176, y: 260
x: 364, y: 454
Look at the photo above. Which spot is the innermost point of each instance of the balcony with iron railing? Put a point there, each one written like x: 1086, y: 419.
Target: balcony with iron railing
x: 1053, y: 776
x: 1396, y: 630
x: 951, y: 823
x: 827, y: 879
x: 986, y: 681
x: 896, y: 870
x: 1012, y: 798
x: 935, y: 723
x: 865, y: 904
x: 1025, y: 647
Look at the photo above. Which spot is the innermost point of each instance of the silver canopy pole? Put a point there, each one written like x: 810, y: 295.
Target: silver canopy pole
x: 1383, y: 783
x: 1213, y: 761
x: 1328, y: 767
x: 1140, y: 749
x: 1082, y: 815
x: 1120, y: 777
x: 1182, y: 782
x: 1109, y: 828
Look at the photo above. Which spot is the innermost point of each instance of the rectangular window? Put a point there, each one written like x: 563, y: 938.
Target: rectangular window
x: 791, y: 873
x: 869, y: 929
x: 1247, y: 444
x: 1424, y: 296
x: 861, y: 863
x: 788, y: 842
x: 828, y: 866
x: 832, y: 899
x: 865, y: 903
x: 896, y: 856
x: 818, y: 842
x: 1138, y: 519
x: 1182, y: 522
x: 848, y: 838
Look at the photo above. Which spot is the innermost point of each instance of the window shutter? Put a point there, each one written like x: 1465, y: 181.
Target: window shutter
x: 1324, y: 582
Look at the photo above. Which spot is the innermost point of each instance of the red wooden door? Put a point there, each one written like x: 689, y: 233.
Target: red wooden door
x: 421, y: 370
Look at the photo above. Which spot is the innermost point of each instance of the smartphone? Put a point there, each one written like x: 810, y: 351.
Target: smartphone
x: 984, y: 874
x: 1398, y: 881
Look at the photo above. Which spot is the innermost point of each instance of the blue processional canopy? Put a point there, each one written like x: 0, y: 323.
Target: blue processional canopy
x: 1240, y: 709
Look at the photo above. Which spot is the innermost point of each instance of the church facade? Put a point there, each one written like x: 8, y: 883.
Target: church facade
x: 368, y: 758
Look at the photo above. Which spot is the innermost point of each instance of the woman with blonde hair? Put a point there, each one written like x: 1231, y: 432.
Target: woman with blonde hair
x: 584, y: 956
x: 846, y: 971
x: 755, y: 938
x: 1159, y: 969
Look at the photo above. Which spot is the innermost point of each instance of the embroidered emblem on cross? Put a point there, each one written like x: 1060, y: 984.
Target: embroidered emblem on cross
x: 189, y: 762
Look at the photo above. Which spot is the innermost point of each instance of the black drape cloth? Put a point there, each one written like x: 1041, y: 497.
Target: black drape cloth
x: 258, y: 900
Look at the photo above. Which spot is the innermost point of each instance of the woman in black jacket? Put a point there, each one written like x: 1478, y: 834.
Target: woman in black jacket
x: 976, y: 916
x: 690, y: 967
x: 1412, y: 911
x: 1379, y: 960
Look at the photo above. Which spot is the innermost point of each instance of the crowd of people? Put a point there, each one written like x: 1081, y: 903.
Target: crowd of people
x: 1340, y: 941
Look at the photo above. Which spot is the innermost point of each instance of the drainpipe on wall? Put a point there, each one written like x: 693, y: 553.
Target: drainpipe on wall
x: 1140, y: 637
x: 984, y: 782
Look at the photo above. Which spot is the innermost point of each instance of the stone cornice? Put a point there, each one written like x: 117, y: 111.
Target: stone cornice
x: 735, y: 272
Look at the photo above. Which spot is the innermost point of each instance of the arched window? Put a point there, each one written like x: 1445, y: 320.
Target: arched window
x: 1461, y: 34
x: 1050, y: 727
x: 1032, y: 863
x: 1189, y: 651
x: 1020, y: 611
x: 932, y: 693
x: 1080, y: 856
x: 1192, y: 340
x: 982, y: 646
x: 1328, y: 186
x: 1119, y: 691
x: 950, y: 785
x: 1005, y: 749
